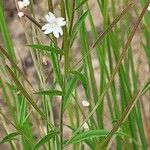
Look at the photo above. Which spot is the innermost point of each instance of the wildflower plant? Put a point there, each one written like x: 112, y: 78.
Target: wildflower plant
x: 54, y: 25
x: 74, y: 102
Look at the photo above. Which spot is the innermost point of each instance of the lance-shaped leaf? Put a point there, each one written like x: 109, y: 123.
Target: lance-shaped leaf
x: 50, y: 92
x: 45, y: 139
x: 46, y: 48
x: 81, y: 4
x: 78, y: 25
x: 9, y: 137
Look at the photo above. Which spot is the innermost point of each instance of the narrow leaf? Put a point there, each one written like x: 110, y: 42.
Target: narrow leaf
x: 5, y: 32
x: 45, y: 139
x: 50, y: 92
x: 88, y: 135
x: 9, y: 137
x: 78, y: 25
x: 80, y: 77
x: 81, y: 4
x: 46, y: 48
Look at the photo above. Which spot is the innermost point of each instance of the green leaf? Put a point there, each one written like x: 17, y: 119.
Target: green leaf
x: 46, y: 48
x: 70, y: 86
x: 22, y: 110
x: 9, y: 137
x: 5, y: 33
x: 88, y: 135
x: 45, y: 139
x: 56, y: 67
x: 81, y: 77
x: 78, y: 25
x: 50, y: 92
x: 81, y: 4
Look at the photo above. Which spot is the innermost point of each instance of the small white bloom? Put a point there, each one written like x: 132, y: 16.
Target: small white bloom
x: 20, y: 14
x: 23, y: 4
x: 85, y: 103
x: 148, y: 8
x: 85, y: 126
x: 54, y: 25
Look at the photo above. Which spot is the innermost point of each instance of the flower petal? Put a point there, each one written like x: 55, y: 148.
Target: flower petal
x: 20, y: 4
x: 60, y: 30
x: 50, y: 17
x: 148, y: 8
x: 47, y: 28
x: 26, y: 2
x: 47, y: 31
x: 61, y: 22
x: 56, y: 33
x: 85, y: 103
x: 20, y: 14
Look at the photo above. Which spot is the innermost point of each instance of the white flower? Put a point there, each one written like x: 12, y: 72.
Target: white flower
x: 54, y: 25
x: 85, y: 103
x: 148, y: 8
x: 23, y: 4
x: 85, y: 126
x: 20, y: 14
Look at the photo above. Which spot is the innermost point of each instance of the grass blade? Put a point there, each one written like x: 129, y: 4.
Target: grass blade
x: 9, y: 137
x: 45, y: 139
x: 5, y: 32
x: 50, y: 92
x: 81, y: 4
x: 107, y: 30
x: 122, y: 118
x: 77, y: 26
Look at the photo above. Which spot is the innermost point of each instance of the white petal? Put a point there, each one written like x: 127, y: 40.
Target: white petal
x: 60, y: 21
x: 26, y: 2
x: 60, y: 30
x: 63, y: 23
x: 47, y: 31
x: 50, y: 17
x: 20, y: 4
x: 56, y: 33
x: 148, y: 8
x: 85, y: 126
x: 47, y: 28
x: 20, y: 14
x: 85, y: 103
x: 60, y: 18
